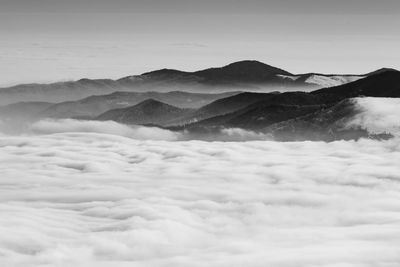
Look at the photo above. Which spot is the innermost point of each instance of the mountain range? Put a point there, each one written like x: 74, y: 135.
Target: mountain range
x: 286, y: 116
x: 95, y: 105
x: 245, y: 75
x: 289, y: 115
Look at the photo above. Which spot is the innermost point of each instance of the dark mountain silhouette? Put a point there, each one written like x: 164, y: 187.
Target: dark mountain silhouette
x: 385, y: 84
x: 248, y: 75
x: 229, y: 104
x: 254, y: 118
x: 95, y: 105
x: 165, y: 73
x: 255, y: 111
x: 327, y: 80
x: 243, y: 71
x: 379, y: 71
x: 319, y: 115
x: 288, y: 115
x: 327, y: 124
x: 149, y: 111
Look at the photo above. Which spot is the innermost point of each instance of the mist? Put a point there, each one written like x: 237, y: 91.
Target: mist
x: 375, y: 115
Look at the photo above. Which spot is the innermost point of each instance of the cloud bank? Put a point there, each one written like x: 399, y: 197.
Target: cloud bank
x: 91, y: 199
x: 378, y: 115
x: 51, y: 126
x: 76, y: 193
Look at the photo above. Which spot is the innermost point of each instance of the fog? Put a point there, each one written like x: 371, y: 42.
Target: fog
x: 77, y: 193
x: 49, y: 126
x: 377, y: 115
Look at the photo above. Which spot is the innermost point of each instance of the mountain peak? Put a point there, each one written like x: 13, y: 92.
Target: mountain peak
x: 151, y: 102
x: 381, y: 70
x: 252, y: 64
x: 151, y: 105
x: 384, y: 84
x: 163, y: 72
x: 243, y: 71
x: 149, y: 111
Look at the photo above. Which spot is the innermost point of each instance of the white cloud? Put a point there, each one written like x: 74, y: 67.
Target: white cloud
x: 91, y: 199
x: 77, y: 193
x: 49, y: 126
x: 238, y: 134
x: 378, y: 115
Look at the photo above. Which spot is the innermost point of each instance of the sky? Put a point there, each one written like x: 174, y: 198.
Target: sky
x: 57, y: 40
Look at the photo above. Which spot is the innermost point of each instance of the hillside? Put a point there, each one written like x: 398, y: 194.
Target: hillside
x: 149, y: 111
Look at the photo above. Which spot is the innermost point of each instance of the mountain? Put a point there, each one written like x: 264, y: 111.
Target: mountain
x: 318, y: 115
x: 256, y: 111
x: 324, y: 122
x: 248, y: 75
x: 379, y: 71
x: 149, y: 111
x: 253, y: 118
x: 95, y: 105
x: 384, y: 84
x: 328, y: 80
x: 56, y: 92
x: 227, y: 105
x: 248, y: 71
x: 328, y: 124
x: 331, y: 80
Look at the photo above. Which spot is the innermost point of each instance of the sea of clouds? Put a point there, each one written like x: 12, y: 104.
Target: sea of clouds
x: 73, y: 194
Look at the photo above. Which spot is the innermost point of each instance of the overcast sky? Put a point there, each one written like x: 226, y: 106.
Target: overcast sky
x: 50, y: 40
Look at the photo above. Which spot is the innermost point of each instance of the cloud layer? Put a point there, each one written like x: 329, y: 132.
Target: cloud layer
x: 378, y: 115
x: 91, y: 199
x: 107, y: 127
x: 76, y: 193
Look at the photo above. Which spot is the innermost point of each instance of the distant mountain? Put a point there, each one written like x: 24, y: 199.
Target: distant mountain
x: 379, y: 71
x: 331, y: 80
x: 147, y: 112
x: 248, y: 71
x: 95, y: 105
x: 383, y: 84
x: 324, y: 80
x: 248, y: 75
x: 56, y: 92
x: 316, y: 115
x: 287, y: 116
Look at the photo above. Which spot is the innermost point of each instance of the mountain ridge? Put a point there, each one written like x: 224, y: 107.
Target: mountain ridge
x: 246, y: 75
x: 149, y: 111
